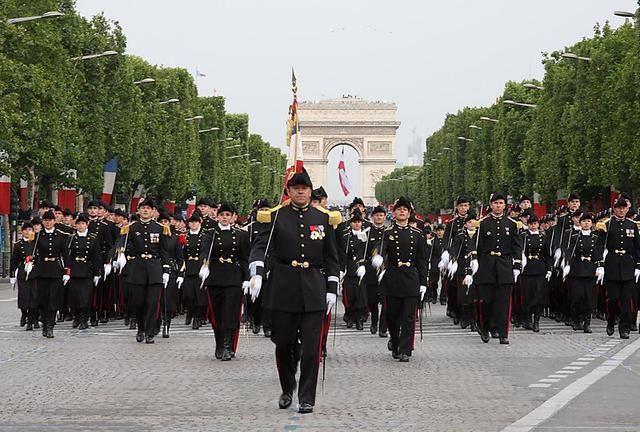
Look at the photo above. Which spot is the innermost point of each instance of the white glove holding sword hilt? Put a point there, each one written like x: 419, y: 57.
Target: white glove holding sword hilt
x: 255, y: 285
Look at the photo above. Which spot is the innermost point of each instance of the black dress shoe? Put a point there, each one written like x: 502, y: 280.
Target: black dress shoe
x: 485, y: 337
x: 536, y: 327
x: 140, y: 337
x: 23, y: 320
x: 527, y: 326
x: 610, y: 329
x: 256, y: 329
x: 218, y: 352
x: 403, y: 358
x: 132, y: 324
x: 267, y: 332
x: 383, y: 333
x: 50, y: 333
x: 587, y: 328
x: 75, y: 323
x: 94, y: 322
x: 29, y: 326
x: 359, y: 325
x: 285, y: 401
x: 226, y: 354
x: 149, y: 339
x: 504, y: 341
x: 464, y: 324
x: 395, y: 354
x: 373, y: 329
x: 624, y: 335
x: 349, y: 324
x: 577, y: 326
x: 305, y: 408
x: 83, y: 325
x: 390, y: 345
x: 196, y: 324
x: 494, y: 334
x: 634, y: 327
x: 127, y: 320
x: 456, y: 321
x: 187, y: 320
x: 443, y: 302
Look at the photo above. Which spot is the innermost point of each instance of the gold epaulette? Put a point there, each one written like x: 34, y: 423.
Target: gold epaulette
x: 335, y: 218
x: 125, y: 229
x: 264, y: 216
x: 476, y: 223
x: 518, y: 223
x: 602, y: 225
x: 166, y: 230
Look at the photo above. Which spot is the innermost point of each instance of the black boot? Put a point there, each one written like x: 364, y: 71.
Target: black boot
x: 132, y: 323
x: 267, y: 332
x: 140, y: 336
x: 104, y: 318
x: 44, y: 329
x: 359, y: 325
x: 374, y: 328
x: 587, y: 326
x: 226, y: 350
x: 536, y: 323
x: 256, y: 329
x: 188, y: 318
x: 23, y: 318
x: 165, y: 328
x: 94, y: 318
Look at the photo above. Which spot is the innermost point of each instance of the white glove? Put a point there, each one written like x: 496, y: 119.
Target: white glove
x: 362, y: 271
x: 165, y: 279
x: 445, y: 258
x: 204, y: 272
x: 121, y: 260
x: 636, y: 273
x: 565, y: 271
x: 423, y: 290
x: 339, y: 289
x: 453, y: 268
x: 342, y: 273
x: 246, y: 285
x: 548, y: 276
x: 377, y: 261
x: 604, y: 254
x: 28, y: 267
x: 516, y: 273
x: 524, y: 261
x: 179, y: 281
x: 599, y: 275
x: 474, y: 266
x: 255, y: 285
x: 556, y: 257
x: 331, y: 300
x: 13, y: 281
x: 107, y: 270
x: 96, y: 279
x: 468, y: 280
x: 65, y: 279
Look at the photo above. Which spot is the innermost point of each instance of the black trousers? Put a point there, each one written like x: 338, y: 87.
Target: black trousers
x: 401, y: 319
x: 225, y: 306
x: 583, y: 296
x: 495, y: 307
x: 464, y: 297
x: 373, y: 300
x: 146, y: 300
x: 620, y: 295
x: 298, y: 338
x: 533, y: 294
x: 353, y: 298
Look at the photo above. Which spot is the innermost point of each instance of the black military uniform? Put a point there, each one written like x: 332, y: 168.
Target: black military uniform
x: 226, y: 250
x: 194, y: 297
x: 450, y: 287
x: 621, y: 243
x: 258, y: 314
x: 22, y: 254
x: 405, y: 258
x: 434, y: 248
x: 582, y: 254
x: 537, y: 264
x: 370, y: 281
x: 169, y: 298
x: 303, y: 281
x: 83, y: 265
x: 50, y: 249
x: 149, y: 247
x: 498, y: 248
x: 459, y: 250
x: 103, y: 231
x: 353, y: 294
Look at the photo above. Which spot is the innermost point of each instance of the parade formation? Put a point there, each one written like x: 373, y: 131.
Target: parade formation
x: 283, y: 270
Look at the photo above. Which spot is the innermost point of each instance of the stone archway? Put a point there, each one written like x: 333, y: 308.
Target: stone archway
x: 368, y: 127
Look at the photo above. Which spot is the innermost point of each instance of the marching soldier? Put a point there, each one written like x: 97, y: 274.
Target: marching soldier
x: 319, y: 197
x: 224, y: 254
x: 258, y: 314
x: 354, y: 240
x: 104, y: 234
x: 583, y: 253
x: 148, y: 245
x: 460, y: 253
x: 403, y: 252
x: 20, y: 269
x: 194, y: 297
x: 82, y: 270
x: 498, y: 250
x: 370, y: 281
x: 206, y: 207
x: 536, y: 272
x: 169, y: 299
x: 434, y: 245
x: 620, y: 266
x: 300, y: 242
x: 452, y: 229
x: 50, y: 249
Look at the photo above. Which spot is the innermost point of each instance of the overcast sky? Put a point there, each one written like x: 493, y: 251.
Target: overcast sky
x: 431, y: 57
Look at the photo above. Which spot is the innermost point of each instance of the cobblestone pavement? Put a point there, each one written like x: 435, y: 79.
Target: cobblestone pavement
x: 102, y: 380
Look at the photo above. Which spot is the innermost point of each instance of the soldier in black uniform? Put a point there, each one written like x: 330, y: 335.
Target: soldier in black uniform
x: 404, y: 283
x: 194, y: 297
x: 20, y: 269
x: 498, y: 248
x: 225, y: 252
x: 370, y: 281
x: 582, y: 254
x: 435, y: 242
x: 169, y: 298
x: 460, y: 253
x: 536, y: 272
x: 50, y: 249
x: 452, y: 228
x: 620, y: 266
x: 206, y: 206
x: 319, y: 197
x: 258, y: 314
x: 104, y: 234
x: 82, y: 270
x: 354, y: 240
x: 300, y: 242
x: 148, y: 245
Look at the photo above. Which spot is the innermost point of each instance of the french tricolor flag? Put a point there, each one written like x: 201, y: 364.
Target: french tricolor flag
x: 137, y: 195
x: 345, y: 184
x: 110, y: 170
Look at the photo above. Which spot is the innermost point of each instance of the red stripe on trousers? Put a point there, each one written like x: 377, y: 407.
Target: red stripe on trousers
x: 509, y: 313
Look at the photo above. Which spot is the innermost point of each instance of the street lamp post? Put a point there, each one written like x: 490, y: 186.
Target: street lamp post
x: 198, y: 117
x: 46, y: 15
x: 521, y: 104
x: 624, y: 14
x: 489, y: 119
x: 572, y: 56
x: 92, y: 56
x: 532, y: 86
x: 475, y: 127
x: 169, y: 101
x: 208, y: 130
x: 145, y: 81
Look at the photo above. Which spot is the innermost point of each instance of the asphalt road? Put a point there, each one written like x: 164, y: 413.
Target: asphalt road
x: 102, y: 380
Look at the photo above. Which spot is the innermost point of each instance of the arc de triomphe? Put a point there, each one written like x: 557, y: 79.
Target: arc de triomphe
x: 368, y: 127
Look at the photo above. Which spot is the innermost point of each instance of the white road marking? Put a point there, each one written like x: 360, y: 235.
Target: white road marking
x: 579, y: 363
x: 572, y: 367
x: 539, y: 385
x: 587, y: 359
x: 9, y: 299
x: 557, y: 376
x: 566, y: 395
x: 549, y: 380
x: 565, y: 372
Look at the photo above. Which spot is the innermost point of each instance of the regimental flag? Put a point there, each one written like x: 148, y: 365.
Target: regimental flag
x: 110, y: 170
x: 295, y: 162
x: 137, y: 195
x: 345, y: 184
